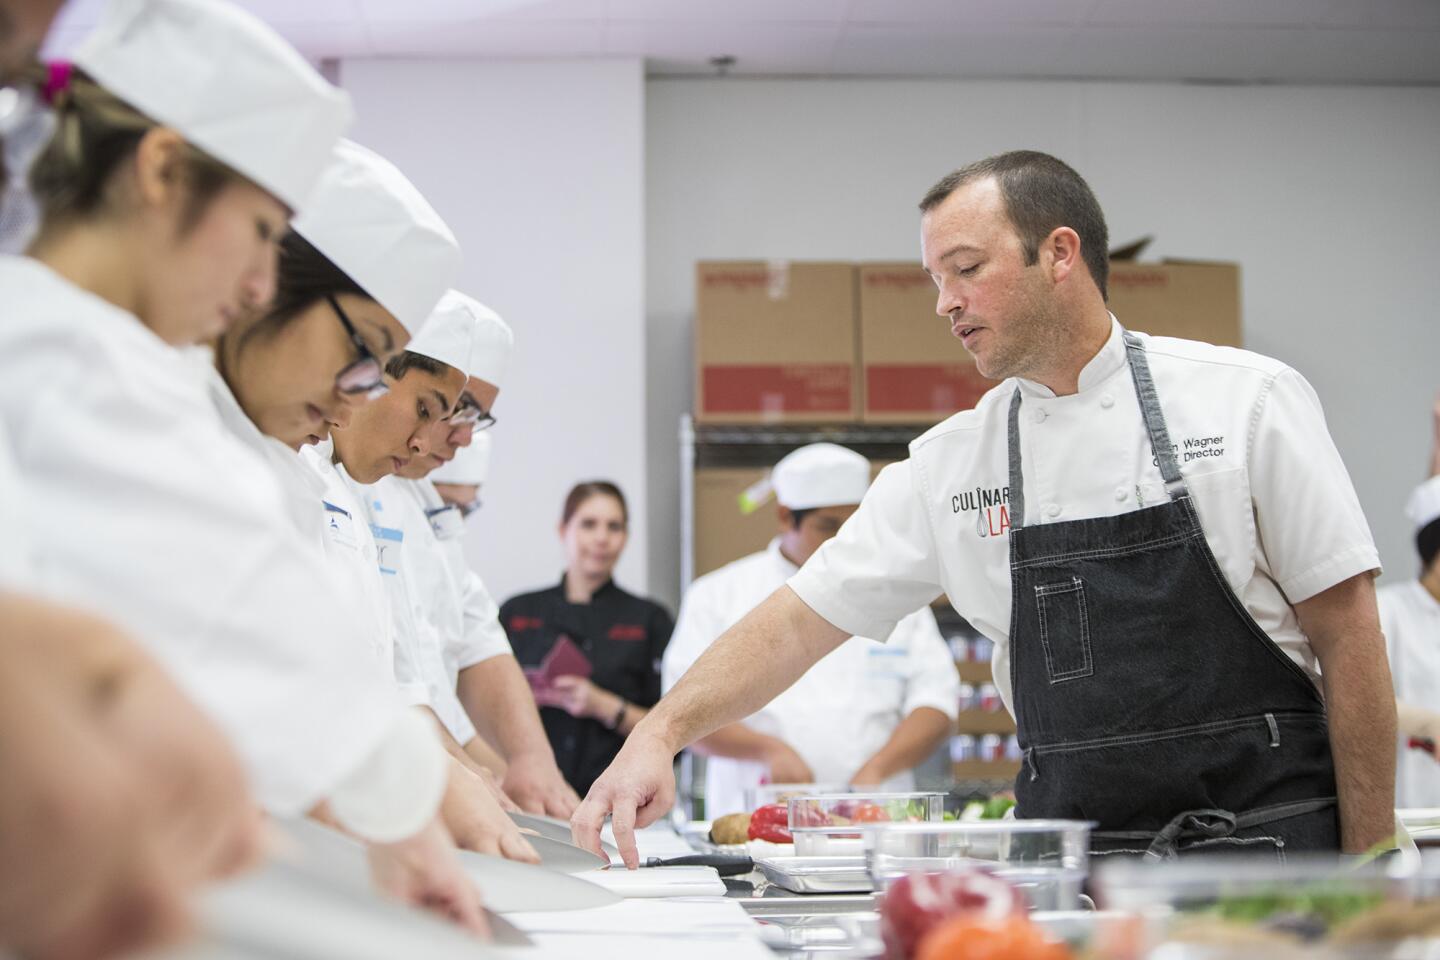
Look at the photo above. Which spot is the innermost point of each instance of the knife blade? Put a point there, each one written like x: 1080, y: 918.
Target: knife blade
x: 556, y: 830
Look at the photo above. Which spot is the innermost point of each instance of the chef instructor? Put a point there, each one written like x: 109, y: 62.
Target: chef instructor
x: 1189, y: 644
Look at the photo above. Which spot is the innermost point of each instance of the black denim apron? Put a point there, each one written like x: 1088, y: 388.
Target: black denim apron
x: 1147, y: 698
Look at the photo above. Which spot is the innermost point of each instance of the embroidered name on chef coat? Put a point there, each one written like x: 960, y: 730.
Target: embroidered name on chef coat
x: 387, y: 548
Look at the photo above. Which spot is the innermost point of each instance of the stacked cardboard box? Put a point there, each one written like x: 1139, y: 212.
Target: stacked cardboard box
x: 915, y: 371
x: 775, y: 343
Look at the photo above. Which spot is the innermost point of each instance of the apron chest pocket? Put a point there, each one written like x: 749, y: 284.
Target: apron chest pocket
x: 1065, y: 629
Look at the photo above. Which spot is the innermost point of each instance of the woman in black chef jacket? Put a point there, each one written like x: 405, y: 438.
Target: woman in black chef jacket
x: 617, y: 637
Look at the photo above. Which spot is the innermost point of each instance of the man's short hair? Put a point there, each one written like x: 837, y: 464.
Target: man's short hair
x: 405, y: 361
x: 1040, y: 193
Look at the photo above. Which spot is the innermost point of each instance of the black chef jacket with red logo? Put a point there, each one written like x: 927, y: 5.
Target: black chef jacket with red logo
x: 623, y: 635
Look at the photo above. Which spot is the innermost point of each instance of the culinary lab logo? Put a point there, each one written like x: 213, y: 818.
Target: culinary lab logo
x: 991, y: 506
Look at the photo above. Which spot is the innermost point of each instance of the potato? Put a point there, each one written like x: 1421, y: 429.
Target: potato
x: 731, y: 828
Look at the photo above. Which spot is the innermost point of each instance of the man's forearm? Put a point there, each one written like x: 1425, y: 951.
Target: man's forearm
x: 1344, y: 630
x: 913, y: 740
x: 752, y: 663
x: 737, y: 741
x: 498, y: 699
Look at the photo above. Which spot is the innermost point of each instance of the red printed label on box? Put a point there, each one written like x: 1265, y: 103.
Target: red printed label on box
x: 923, y: 387
x: 778, y: 388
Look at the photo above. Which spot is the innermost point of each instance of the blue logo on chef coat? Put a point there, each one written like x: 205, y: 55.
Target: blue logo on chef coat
x: 339, y: 525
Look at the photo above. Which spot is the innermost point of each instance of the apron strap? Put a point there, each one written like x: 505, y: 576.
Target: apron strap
x: 1175, y: 486
x: 1017, y: 480
x: 1213, y: 824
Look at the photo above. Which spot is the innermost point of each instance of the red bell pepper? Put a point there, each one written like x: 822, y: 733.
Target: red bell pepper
x: 771, y: 822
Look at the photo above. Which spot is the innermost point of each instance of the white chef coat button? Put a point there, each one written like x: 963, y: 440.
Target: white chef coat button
x: 1120, y: 494
x: 1038, y: 416
x: 1052, y: 510
x: 1107, y: 401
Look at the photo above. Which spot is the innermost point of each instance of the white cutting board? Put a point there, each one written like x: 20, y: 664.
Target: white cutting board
x: 650, y: 882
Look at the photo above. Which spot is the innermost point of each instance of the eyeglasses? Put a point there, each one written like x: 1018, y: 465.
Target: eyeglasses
x: 470, y: 414
x: 366, y: 375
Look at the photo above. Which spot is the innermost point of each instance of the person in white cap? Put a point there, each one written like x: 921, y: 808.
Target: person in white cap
x: 105, y: 871
x: 468, y: 652
x: 460, y: 644
x: 458, y: 481
x: 283, y: 375
x: 1410, y: 617
x: 868, y: 712
x: 187, y: 134
x: 424, y: 385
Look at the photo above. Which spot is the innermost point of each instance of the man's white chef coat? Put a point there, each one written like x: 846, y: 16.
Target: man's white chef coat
x: 1410, y: 617
x: 842, y: 711
x: 1277, y: 505
x: 143, y: 508
x: 424, y: 602
x: 362, y: 558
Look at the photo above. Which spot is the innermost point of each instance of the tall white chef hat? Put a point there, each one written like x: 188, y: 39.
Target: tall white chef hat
x: 492, y: 339
x: 226, y: 82
x: 447, y: 336
x: 471, y: 464
x: 820, y: 475
x: 371, y: 222
x: 1423, y: 510
x: 494, y: 342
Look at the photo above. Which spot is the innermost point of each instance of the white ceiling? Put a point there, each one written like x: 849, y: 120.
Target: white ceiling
x: 1297, y: 41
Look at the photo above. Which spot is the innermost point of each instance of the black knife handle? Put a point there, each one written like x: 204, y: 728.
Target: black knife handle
x: 728, y: 865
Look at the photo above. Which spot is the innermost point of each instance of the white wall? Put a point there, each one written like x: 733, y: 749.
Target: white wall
x: 538, y: 167
x: 1327, y: 197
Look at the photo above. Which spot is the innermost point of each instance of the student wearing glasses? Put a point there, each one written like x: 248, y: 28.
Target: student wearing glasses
x: 474, y: 679
x: 290, y: 374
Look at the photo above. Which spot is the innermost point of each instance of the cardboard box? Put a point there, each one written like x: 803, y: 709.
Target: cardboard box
x: 915, y: 371
x: 1191, y: 300
x: 775, y: 342
x: 726, y: 530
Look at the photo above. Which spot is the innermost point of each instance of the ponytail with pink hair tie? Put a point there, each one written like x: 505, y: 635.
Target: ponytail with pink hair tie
x: 57, y: 80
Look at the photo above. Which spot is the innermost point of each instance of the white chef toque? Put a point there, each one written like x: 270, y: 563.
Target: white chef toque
x: 369, y: 220
x: 226, y: 82
x: 493, y: 339
x: 820, y: 475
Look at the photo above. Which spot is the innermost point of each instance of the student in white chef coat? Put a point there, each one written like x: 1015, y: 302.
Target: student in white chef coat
x: 423, y: 387
x: 459, y: 646
x: 163, y: 194
x: 1410, y: 617
x: 1159, y: 536
x: 345, y: 305
x: 458, y: 481
x: 105, y: 871
x: 868, y: 712
x: 119, y: 796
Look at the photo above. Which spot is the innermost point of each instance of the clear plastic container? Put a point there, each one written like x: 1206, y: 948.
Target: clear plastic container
x: 1310, y: 901
x: 1048, y: 860
x: 767, y: 793
x: 834, y: 824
